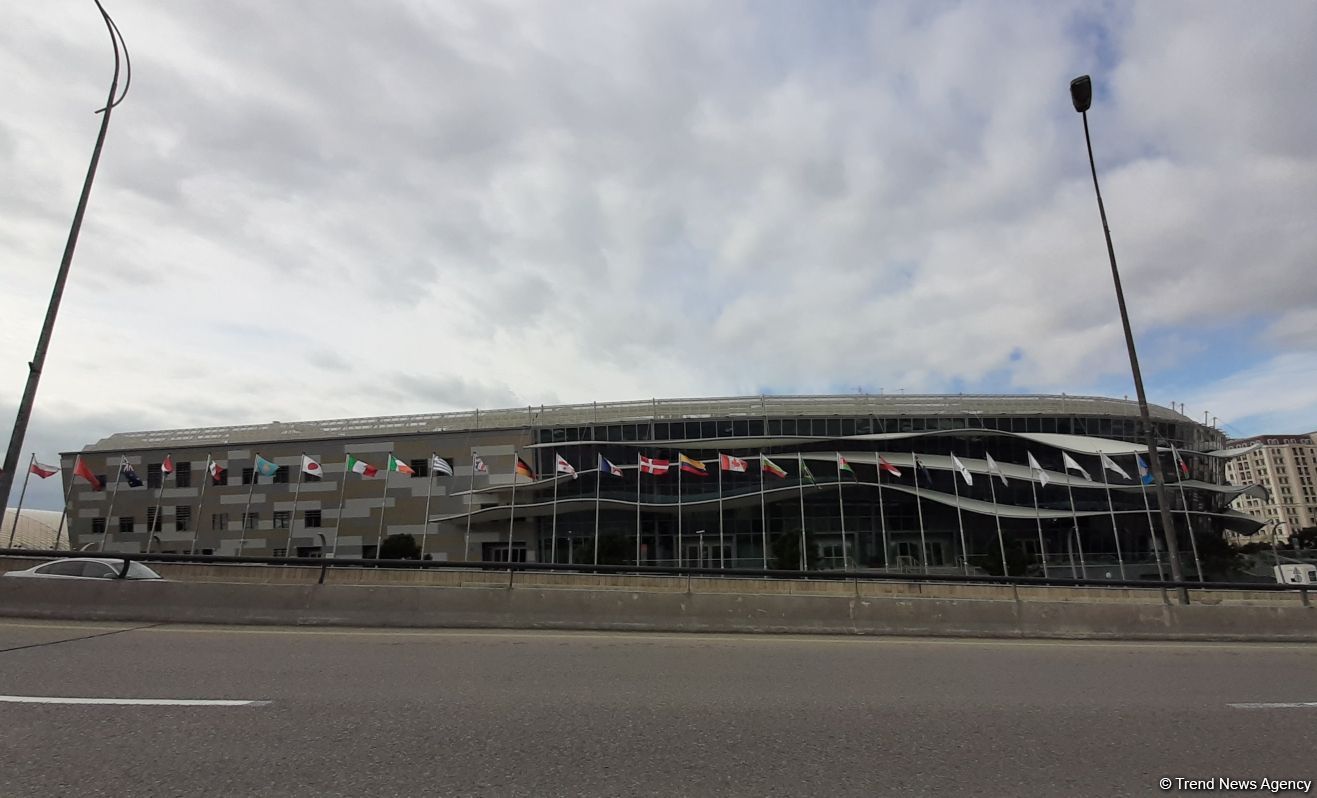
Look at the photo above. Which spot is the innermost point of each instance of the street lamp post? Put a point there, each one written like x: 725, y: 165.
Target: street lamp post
x: 43, y: 341
x: 1081, y: 94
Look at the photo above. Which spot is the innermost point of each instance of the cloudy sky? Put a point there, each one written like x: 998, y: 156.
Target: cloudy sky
x: 326, y: 209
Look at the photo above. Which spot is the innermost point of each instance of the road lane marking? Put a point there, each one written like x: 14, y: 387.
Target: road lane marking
x: 132, y: 702
x: 1277, y: 705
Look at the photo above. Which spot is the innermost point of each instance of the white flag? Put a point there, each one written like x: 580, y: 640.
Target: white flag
x: 993, y: 468
x: 964, y: 472
x: 1069, y: 463
x: 311, y: 467
x: 1035, y: 468
x: 561, y: 466
x: 1110, y: 465
x: 477, y: 465
x: 440, y: 465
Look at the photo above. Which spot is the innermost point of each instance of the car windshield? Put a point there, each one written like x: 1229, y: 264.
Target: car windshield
x: 138, y: 571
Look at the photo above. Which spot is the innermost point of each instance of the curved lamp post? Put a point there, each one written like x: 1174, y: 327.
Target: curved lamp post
x: 43, y: 343
x: 1081, y: 94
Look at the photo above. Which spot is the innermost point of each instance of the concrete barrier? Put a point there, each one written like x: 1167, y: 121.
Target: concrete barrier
x: 653, y: 610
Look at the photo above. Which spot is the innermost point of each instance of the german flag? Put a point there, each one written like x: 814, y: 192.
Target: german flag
x: 524, y: 470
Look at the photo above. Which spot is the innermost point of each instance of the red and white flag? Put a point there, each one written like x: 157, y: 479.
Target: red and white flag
x: 311, y: 467
x: 216, y: 473
x: 888, y: 467
x: 477, y: 465
x: 729, y: 463
x: 167, y: 467
x: 43, y: 471
x: 561, y: 466
x: 651, y: 465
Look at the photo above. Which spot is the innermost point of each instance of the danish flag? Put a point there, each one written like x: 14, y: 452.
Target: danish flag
x: 650, y: 465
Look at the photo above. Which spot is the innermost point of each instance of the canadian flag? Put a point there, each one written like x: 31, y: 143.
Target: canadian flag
x: 651, y: 465
x: 729, y: 463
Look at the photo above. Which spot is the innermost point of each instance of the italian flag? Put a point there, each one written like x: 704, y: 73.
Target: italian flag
x: 362, y: 467
x: 402, y: 468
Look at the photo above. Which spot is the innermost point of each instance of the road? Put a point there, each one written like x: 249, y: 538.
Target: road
x: 356, y: 712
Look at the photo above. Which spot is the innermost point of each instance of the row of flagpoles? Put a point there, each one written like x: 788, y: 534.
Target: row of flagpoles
x: 645, y: 465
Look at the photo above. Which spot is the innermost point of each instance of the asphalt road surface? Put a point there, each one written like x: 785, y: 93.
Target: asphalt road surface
x: 359, y: 712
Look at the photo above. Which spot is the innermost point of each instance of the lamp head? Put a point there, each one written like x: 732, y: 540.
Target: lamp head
x: 1081, y: 93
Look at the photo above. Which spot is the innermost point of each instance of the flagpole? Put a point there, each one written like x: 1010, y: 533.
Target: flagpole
x: 841, y: 510
x: 512, y: 514
x: 470, y: 497
x: 159, y: 496
x: 256, y: 475
x: 1115, y: 533
x: 384, y: 501
x: 960, y: 520
x: 882, y: 514
x: 553, y: 543
x: 637, y: 508
x: 196, y: 527
x: 919, y: 508
x: 721, y: 563
x: 1188, y: 520
x: 1152, y: 530
x: 1038, y: 516
x: 13, y: 530
x: 996, y: 516
x: 800, y: 469
x: 763, y: 513
x: 1074, y: 514
x: 292, y: 521
x: 429, y: 493
x: 681, y: 559
x: 598, y: 480
x: 114, y: 494
x: 64, y: 515
x: 342, y: 488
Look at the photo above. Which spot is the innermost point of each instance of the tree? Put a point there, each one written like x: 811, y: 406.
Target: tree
x: 400, y: 547
x: 786, y: 552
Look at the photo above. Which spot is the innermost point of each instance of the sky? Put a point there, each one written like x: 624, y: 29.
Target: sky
x: 311, y: 210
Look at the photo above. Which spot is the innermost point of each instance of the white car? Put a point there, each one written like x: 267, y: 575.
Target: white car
x: 86, y: 568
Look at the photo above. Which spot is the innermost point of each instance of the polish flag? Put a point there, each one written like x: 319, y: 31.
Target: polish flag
x: 43, y: 471
x: 651, y: 465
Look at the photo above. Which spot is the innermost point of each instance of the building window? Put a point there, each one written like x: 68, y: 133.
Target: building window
x: 311, y: 519
x: 281, y: 475
x: 182, y: 519
x: 421, y: 467
x: 248, y: 474
x: 281, y: 519
x: 250, y: 520
x: 126, y: 523
x: 98, y: 526
x: 152, y: 520
x: 498, y: 552
x: 183, y: 475
x: 153, y: 475
x: 280, y: 552
x: 219, y: 521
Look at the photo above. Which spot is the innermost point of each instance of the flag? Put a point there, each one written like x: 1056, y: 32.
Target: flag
x: 440, y: 466
x: 522, y: 469
x: 805, y: 473
x: 651, y: 465
x: 1179, y: 462
x: 402, y: 468
x: 606, y: 467
x: 964, y: 472
x: 43, y: 471
x: 80, y: 469
x: 477, y: 465
x: 129, y: 474
x: 265, y: 468
x: 1110, y: 465
x: 216, y: 473
x: 923, y: 471
x: 1035, y: 468
x: 691, y: 465
x: 728, y: 463
x: 993, y: 468
x: 772, y: 468
x: 311, y: 467
x: 361, y: 467
x: 1144, y: 476
x: 842, y: 465
x: 167, y: 467
x: 883, y: 465
x: 561, y: 466
x: 1069, y: 463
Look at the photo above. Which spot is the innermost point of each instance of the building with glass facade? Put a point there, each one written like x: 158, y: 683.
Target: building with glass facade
x: 801, y: 473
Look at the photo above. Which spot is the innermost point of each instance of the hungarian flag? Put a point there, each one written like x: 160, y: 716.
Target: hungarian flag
x: 606, y: 467
x: 561, y: 466
x: 440, y: 465
x: 80, y: 469
x: 402, y: 468
x: 43, y: 471
x: 265, y: 468
x: 167, y: 467
x: 216, y: 473
x: 524, y: 470
x: 964, y: 472
x: 691, y: 465
x: 361, y: 467
x: 888, y: 467
x: 842, y: 465
x: 728, y: 463
x: 311, y: 467
x: 773, y: 468
x: 651, y: 465
x: 477, y: 465
x: 129, y: 474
